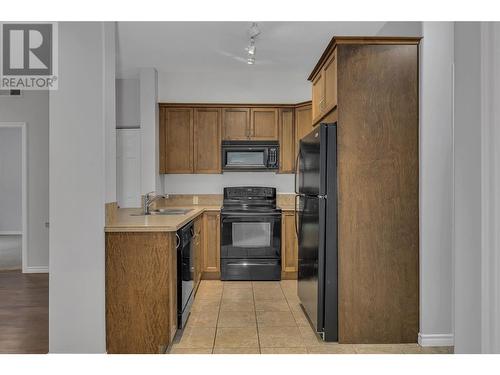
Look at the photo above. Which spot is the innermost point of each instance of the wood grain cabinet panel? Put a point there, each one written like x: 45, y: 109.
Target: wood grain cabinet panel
x: 198, y: 250
x: 264, y: 124
x: 140, y: 292
x: 287, y: 141
x: 330, y: 76
x: 373, y: 84
x: 289, y: 246
x: 378, y: 193
x: 318, y: 96
x: 162, y: 141
x: 303, y: 124
x: 235, y: 123
x: 211, y: 251
x: 179, y: 140
x: 207, y: 140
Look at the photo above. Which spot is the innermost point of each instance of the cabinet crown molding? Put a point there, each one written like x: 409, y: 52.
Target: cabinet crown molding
x: 338, y: 40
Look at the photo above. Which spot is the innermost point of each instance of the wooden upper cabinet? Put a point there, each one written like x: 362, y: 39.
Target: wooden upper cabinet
x: 318, y: 96
x: 235, y: 123
x: 190, y: 136
x: 207, y: 140
x: 178, y: 124
x: 303, y: 124
x: 287, y: 141
x: 324, y: 88
x: 161, y: 142
x: 264, y: 124
x: 330, y: 78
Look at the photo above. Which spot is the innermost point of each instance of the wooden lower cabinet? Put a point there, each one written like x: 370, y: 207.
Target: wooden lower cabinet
x: 289, y: 246
x: 198, y: 250
x: 141, y: 286
x: 211, y: 245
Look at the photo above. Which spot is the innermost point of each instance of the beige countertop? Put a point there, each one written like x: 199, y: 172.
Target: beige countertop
x: 125, y: 221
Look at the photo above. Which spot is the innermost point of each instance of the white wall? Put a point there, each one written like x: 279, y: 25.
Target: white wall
x: 11, y: 179
x: 467, y: 185
x: 401, y: 29
x: 77, y: 192
x: 110, y: 108
x: 213, y: 183
x: 10, y: 252
x: 33, y: 109
x: 436, y: 98
x: 128, y: 114
x: 128, y: 165
x: 150, y: 158
x: 232, y: 87
x: 491, y: 330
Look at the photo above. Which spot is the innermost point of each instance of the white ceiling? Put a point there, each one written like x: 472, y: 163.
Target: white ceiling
x: 220, y: 46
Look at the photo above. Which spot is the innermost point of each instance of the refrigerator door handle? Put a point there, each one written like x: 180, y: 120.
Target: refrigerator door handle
x: 295, y: 218
x: 296, y: 170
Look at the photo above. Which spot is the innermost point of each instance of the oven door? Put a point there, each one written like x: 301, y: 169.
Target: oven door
x: 244, y: 158
x: 251, y: 235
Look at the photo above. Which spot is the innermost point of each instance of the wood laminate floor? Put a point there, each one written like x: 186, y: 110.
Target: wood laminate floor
x: 24, y: 312
x: 263, y: 318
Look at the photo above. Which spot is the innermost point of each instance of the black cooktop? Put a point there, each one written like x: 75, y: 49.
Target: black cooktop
x: 249, y: 198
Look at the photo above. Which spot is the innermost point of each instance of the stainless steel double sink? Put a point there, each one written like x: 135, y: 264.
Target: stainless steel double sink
x: 166, y: 211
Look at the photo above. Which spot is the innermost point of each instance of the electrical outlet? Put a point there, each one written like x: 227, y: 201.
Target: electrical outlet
x: 195, y: 199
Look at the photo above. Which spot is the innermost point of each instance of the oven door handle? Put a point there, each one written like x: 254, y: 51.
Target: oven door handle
x: 250, y: 214
x: 252, y: 264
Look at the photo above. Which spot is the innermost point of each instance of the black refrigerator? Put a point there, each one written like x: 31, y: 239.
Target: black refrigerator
x: 316, y: 226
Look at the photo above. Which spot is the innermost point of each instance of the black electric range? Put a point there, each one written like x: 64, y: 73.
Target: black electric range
x: 250, y: 234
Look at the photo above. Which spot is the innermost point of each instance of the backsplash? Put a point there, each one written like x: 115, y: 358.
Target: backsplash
x: 211, y: 200
x: 214, y: 183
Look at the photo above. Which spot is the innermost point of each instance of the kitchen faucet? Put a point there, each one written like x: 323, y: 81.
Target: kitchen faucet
x: 149, y: 198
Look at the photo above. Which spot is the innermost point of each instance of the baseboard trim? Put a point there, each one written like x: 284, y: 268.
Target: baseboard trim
x: 36, y: 269
x: 441, y: 339
x: 10, y: 233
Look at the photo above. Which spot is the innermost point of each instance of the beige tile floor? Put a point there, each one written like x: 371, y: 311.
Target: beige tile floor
x: 243, y: 317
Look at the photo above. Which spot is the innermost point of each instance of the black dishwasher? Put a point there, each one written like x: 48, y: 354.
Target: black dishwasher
x: 185, y: 273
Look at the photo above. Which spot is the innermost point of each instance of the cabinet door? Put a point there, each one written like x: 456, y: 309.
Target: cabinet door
x: 287, y: 140
x: 289, y: 246
x: 162, y: 141
x: 235, y: 123
x: 173, y: 287
x: 179, y: 140
x: 330, y: 74
x: 207, y: 129
x: 198, y: 251
x: 318, y: 96
x: 211, y: 253
x: 303, y: 124
x: 264, y: 123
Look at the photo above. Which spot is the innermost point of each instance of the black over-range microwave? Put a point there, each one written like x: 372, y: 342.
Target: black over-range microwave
x: 250, y: 155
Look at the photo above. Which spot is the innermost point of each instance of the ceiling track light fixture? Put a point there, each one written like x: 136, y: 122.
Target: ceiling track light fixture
x: 253, y: 32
